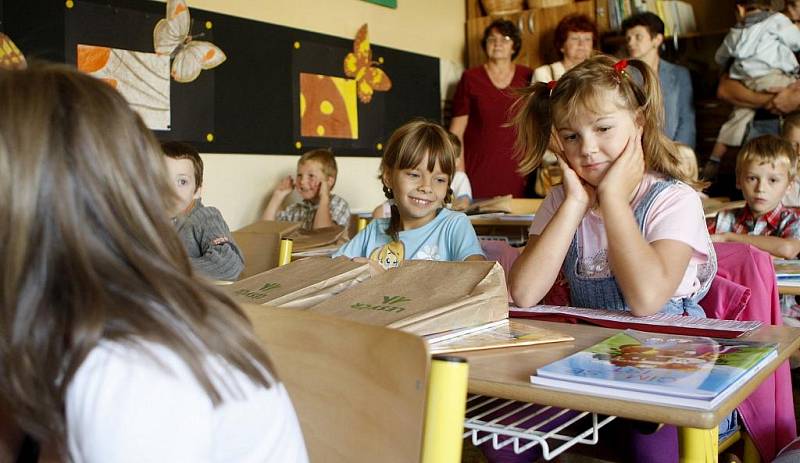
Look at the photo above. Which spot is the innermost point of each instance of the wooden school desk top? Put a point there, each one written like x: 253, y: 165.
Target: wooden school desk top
x: 506, y: 373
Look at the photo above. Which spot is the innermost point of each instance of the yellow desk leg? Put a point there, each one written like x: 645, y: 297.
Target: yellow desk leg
x: 698, y: 445
x: 444, y: 417
x: 751, y: 454
x: 285, y: 254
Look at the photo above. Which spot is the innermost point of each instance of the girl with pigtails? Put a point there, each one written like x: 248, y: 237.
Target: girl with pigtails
x: 625, y: 230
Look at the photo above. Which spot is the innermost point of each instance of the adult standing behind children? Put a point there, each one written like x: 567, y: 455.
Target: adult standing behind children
x: 481, y: 112
x: 318, y: 207
x: 574, y: 39
x: 644, y: 34
x: 202, y: 229
x: 762, y: 47
x: 111, y: 349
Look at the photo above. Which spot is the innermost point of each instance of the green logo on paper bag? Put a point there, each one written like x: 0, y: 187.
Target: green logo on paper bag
x: 259, y: 293
x: 389, y: 304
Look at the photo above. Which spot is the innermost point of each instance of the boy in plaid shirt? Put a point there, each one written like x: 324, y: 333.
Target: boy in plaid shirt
x: 765, y: 168
x: 319, y: 208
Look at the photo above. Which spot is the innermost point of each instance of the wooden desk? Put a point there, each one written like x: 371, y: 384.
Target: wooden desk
x: 505, y: 373
x: 786, y: 289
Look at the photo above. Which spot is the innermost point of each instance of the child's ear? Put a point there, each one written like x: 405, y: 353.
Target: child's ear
x: 387, y: 179
x: 198, y: 192
x: 331, y: 181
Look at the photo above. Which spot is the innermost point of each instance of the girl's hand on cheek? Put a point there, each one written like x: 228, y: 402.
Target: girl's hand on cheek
x: 625, y: 173
x: 575, y: 189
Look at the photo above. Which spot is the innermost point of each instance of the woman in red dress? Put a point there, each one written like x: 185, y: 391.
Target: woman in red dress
x: 481, y: 111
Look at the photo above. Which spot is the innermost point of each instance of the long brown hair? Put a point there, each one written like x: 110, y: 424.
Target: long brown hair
x: 87, y: 251
x: 406, y: 148
x: 586, y: 87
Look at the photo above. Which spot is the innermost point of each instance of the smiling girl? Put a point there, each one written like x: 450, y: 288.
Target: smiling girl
x: 626, y: 228
x: 416, y: 171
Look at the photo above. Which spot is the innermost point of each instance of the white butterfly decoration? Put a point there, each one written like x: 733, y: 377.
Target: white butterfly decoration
x: 171, y: 37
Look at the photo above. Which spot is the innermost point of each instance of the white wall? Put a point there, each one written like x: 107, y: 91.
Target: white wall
x: 239, y: 184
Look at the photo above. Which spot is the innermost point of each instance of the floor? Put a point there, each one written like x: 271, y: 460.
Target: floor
x: 472, y: 455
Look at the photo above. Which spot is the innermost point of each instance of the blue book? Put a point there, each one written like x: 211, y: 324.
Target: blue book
x: 686, y: 371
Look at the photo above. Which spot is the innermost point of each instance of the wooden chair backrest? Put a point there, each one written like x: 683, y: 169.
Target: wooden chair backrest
x: 359, y: 391
x: 525, y: 205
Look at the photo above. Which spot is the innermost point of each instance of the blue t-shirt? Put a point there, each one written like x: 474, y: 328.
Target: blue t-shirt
x: 449, y: 237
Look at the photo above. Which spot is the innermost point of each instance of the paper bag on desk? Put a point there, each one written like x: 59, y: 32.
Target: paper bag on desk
x: 260, y: 243
x: 424, y: 297
x: 303, y: 240
x: 496, y: 204
x: 300, y: 284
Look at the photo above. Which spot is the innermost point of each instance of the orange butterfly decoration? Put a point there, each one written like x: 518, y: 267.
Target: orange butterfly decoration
x: 10, y: 56
x: 358, y: 65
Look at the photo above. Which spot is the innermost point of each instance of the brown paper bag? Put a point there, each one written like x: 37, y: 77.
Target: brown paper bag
x: 303, y: 240
x: 496, y: 204
x: 260, y: 243
x: 425, y: 297
x: 300, y: 284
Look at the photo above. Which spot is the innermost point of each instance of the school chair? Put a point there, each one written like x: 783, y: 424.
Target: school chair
x: 361, y: 391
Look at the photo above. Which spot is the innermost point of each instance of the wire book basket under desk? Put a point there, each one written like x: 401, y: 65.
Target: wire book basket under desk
x: 483, y: 423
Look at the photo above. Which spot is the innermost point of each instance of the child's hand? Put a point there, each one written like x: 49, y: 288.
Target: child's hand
x: 576, y: 189
x: 285, y: 186
x: 325, y: 189
x: 625, y: 173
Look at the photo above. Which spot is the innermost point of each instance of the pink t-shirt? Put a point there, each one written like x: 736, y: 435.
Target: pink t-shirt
x: 675, y: 214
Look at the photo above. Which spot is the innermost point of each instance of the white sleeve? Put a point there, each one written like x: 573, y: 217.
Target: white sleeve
x: 126, y: 409
x: 547, y: 210
x: 677, y: 214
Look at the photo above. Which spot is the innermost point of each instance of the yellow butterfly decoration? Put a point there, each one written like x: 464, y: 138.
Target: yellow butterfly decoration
x: 358, y: 65
x: 171, y: 37
x: 10, y: 56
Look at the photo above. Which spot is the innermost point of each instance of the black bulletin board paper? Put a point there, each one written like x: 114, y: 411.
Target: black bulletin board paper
x: 249, y: 103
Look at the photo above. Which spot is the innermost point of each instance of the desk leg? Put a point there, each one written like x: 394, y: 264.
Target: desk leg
x: 698, y: 445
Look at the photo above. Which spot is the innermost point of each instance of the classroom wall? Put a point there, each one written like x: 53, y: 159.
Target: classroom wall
x: 239, y: 184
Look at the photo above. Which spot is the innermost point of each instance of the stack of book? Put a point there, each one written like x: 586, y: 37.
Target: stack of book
x: 678, y: 16
x: 685, y: 371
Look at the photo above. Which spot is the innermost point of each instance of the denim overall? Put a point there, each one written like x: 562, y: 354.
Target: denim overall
x: 604, y: 292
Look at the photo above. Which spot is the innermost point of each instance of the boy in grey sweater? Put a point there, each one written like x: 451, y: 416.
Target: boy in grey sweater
x: 202, y: 229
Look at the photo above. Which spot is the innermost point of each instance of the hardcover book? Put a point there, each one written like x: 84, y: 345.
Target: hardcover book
x: 688, y: 371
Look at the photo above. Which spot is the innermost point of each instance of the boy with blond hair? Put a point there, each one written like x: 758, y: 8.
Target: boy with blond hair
x: 319, y: 208
x: 764, y: 172
x: 790, y: 131
x: 203, y: 230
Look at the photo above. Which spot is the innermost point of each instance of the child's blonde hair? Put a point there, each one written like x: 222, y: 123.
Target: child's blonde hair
x: 406, y: 148
x: 586, y: 88
x: 767, y: 149
x: 326, y: 160
x: 688, y: 161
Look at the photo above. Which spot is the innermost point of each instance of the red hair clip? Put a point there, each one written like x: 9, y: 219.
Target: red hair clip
x: 552, y: 84
x: 620, y: 66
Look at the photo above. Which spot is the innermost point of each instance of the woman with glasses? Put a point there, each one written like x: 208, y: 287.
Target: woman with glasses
x: 481, y: 113
x: 574, y: 40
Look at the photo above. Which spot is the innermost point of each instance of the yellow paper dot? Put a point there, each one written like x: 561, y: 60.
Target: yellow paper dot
x: 297, y: 45
x: 379, y: 146
x: 326, y: 107
x: 380, y: 59
x: 320, y: 130
x: 298, y: 145
x: 209, y: 137
x: 69, y: 3
x: 209, y: 25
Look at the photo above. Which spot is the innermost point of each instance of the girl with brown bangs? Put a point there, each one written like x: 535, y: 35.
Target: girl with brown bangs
x: 111, y: 348
x: 626, y: 230
x: 416, y: 170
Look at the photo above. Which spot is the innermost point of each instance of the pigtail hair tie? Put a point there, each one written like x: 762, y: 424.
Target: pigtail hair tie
x: 551, y: 85
x: 620, y: 66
